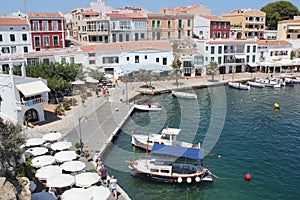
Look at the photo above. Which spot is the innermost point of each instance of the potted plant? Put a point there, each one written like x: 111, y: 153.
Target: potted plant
x: 66, y: 105
x: 59, y: 110
x: 78, y: 148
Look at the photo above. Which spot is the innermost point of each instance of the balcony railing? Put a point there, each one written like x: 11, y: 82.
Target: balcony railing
x: 32, y: 102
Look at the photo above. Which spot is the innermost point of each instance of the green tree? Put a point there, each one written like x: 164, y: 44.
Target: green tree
x: 95, y: 73
x: 11, y: 139
x: 277, y: 11
x: 59, y: 76
x: 213, y: 69
x: 144, y: 75
x: 176, y: 64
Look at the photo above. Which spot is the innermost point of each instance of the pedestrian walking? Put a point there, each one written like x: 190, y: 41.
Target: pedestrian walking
x: 103, y: 174
x: 113, y: 186
x: 86, y: 152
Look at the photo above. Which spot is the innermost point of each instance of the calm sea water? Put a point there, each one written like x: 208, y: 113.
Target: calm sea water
x: 239, y: 129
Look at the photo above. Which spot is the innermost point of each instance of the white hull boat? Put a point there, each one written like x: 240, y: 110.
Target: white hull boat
x: 167, y: 137
x: 172, y: 171
x: 148, y: 107
x: 238, y: 85
x: 184, y: 95
x: 255, y: 84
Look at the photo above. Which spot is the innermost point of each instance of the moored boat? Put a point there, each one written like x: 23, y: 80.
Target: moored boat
x: 148, y: 107
x: 184, y: 95
x: 172, y: 170
x: 167, y: 137
x: 238, y: 85
x: 255, y: 84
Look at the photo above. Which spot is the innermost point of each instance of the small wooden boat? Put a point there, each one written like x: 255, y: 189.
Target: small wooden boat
x: 255, y: 84
x: 167, y: 137
x: 238, y: 85
x: 171, y: 169
x: 184, y: 95
x: 148, y: 107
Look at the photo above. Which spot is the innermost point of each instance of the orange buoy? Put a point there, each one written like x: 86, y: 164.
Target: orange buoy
x: 248, y: 177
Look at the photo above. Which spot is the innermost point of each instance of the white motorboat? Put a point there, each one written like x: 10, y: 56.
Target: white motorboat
x: 238, y: 85
x: 172, y: 170
x: 184, y: 95
x: 255, y: 84
x: 148, y: 107
x: 167, y: 137
x: 269, y: 83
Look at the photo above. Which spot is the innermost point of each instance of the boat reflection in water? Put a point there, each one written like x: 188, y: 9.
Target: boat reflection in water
x: 172, y: 169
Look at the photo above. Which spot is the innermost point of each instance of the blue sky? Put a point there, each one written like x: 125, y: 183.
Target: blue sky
x: 217, y: 6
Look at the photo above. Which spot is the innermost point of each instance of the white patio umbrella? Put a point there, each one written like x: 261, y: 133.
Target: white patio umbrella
x: 91, y: 80
x: 76, y: 194
x: 36, y: 151
x: 62, y: 145
x: 41, y: 161
x: 99, y: 192
x: 60, y: 180
x: 51, y: 137
x: 73, y: 166
x: 86, y: 179
x: 34, y: 142
x: 78, y: 82
x: 45, y: 172
x: 43, y: 196
x: 64, y: 156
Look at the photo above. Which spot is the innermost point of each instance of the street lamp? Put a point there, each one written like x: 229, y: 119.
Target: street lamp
x: 80, y: 137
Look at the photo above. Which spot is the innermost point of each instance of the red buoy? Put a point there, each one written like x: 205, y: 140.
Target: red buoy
x: 248, y: 177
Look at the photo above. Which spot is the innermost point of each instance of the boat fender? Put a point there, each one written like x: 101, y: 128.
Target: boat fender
x: 188, y: 180
x: 197, y: 179
x: 179, y: 180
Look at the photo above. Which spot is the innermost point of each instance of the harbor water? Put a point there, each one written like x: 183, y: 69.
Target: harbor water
x: 241, y: 133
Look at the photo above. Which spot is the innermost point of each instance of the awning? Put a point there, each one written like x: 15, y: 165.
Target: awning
x: 253, y: 64
x: 295, y: 27
x: 33, y: 88
x: 239, y: 56
x: 177, y: 151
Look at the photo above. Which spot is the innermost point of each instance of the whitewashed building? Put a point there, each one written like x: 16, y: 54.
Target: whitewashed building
x: 116, y: 58
x: 22, y: 99
x: 233, y: 56
x: 15, y: 40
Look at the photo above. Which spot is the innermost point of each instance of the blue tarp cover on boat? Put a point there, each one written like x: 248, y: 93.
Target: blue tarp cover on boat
x: 192, y: 153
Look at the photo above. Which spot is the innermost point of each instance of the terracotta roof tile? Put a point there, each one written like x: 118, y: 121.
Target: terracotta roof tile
x: 273, y: 42
x: 129, y: 46
x: 290, y: 21
x: 214, y: 18
x: 44, y: 15
x: 231, y: 41
x: 129, y: 15
x: 13, y: 22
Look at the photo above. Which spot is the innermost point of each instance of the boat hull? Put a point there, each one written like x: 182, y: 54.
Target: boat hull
x: 147, y: 108
x: 164, y: 179
x: 238, y: 86
x: 184, y: 95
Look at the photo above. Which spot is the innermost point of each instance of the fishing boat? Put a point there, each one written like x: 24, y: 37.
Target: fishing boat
x: 238, y: 85
x: 171, y: 169
x: 167, y: 137
x: 255, y: 84
x: 184, y: 95
x: 148, y: 107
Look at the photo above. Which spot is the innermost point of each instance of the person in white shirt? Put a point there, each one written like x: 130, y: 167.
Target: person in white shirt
x: 113, y: 186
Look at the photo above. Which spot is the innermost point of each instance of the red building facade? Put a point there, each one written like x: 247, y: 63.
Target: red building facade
x: 47, y: 30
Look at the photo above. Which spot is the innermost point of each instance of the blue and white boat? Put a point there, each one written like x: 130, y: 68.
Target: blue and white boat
x: 172, y: 169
